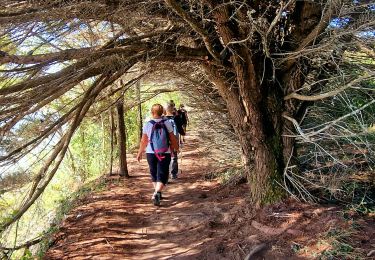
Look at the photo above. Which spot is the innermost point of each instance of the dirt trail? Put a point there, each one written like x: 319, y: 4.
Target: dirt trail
x: 198, y: 219
x: 121, y: 223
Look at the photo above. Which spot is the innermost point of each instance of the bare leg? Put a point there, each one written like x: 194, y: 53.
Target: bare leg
x: 159, y: 187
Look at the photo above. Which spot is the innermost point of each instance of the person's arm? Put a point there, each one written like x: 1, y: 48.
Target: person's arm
x: 174, y: 142
x: 142, y: 147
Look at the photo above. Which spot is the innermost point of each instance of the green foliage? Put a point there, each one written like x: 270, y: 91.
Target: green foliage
x: 64, y: 207
x: 231, y: 175
x: 340, y: 247
x: 362, y: 197
x: 228, y: 176
x: 88, y: 157
x: 336, y: 164
x: 340, y: 242
x: 27, y: 255
x: 132, y: 127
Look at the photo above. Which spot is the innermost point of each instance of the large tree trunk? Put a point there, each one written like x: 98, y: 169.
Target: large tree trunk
x: 261, y: 141
x: 257, y: 124
x: 122, y: 139
x: 254, y: 90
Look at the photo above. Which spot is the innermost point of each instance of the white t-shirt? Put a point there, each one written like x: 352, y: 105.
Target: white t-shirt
x: 147, y: 128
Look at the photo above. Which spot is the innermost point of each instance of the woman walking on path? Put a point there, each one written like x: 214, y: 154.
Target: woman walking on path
x: 159, y: 140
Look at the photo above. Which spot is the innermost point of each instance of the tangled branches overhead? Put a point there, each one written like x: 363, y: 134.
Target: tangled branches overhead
x: 265, y: 64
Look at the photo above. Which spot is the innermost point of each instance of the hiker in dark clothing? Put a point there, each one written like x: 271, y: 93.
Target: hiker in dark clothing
x: 158, y: 140
x: 179, y: 123
x: 179, y: 118
x: 173, y: 105
x: 174, y: 161
x: 182, y: 113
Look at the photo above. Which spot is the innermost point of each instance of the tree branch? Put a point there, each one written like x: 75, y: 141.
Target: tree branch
x: 195, y: 26
x: 327, y: 94
x: 24, y: 245
x: 332, y: 7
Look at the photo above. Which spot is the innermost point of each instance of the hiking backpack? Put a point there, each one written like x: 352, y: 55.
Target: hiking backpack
x: 159, y: 139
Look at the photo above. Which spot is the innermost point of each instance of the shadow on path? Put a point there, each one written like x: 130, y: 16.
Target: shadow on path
x: 198, y: 219
x: 121, y: 222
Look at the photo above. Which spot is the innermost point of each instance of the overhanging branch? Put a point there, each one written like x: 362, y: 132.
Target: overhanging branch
x: 195, y: 26
x: 327, y: 94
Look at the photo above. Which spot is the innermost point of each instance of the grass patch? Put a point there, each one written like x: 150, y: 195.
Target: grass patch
x: 65, y: 206
x: 228, y: 176
x: 339, y: 247
x: 342, y: 243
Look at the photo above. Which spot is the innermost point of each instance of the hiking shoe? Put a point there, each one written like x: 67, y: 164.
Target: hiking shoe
x: 174, y: 177
x: 156, y: 199
x: 159, y: 192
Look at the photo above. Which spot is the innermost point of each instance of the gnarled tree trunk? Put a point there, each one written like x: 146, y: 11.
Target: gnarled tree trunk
x: 122, y: 139
x: 256, y: 118
x: 253, y: 87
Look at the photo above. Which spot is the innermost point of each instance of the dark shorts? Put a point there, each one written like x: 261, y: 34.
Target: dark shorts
x: 159, y: 169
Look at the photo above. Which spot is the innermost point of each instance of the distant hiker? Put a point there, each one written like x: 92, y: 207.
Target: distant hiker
x: 174, y: 161
x: 158, y: 139
x: 164, y: 112
x: 177, y: 119
x: 182, y: 113
x: 171, y: 103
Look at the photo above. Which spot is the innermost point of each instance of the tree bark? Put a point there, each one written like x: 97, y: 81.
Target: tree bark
x: 255, y: 111
x: 84, y: 169
x: 113, y: 127
x: 140, y: 119
x: 254, y: 89
x: 260, y: 140
x: 103, y: 164
x: 122, y: 139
